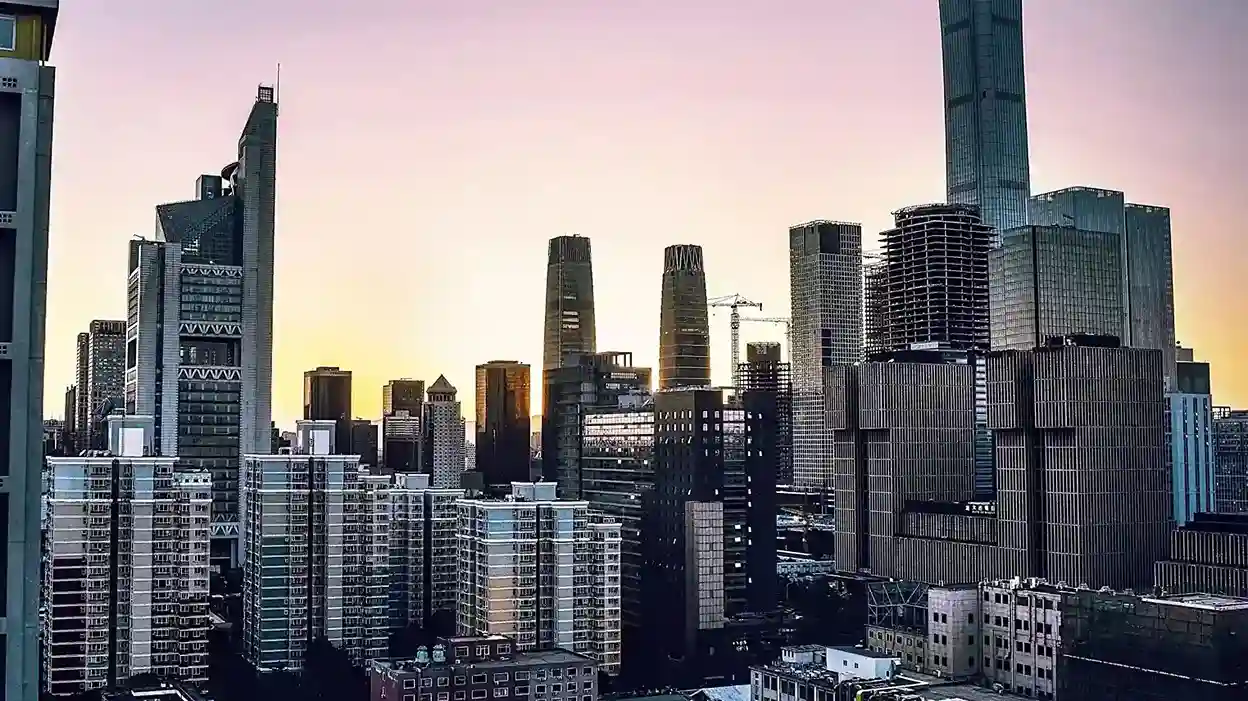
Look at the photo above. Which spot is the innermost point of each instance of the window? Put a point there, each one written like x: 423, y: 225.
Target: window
x: 444, y: 696
x: 478, y: 693
x: 935, y: 616
x: 522, y: 690
x: 8, y: 32
x: 541, y: 675
x: 409, y: 683
x: 588, y: 671
x: 478, y: 679
x: 556, y: 673
x: 504, y: 649
x: 409, y: 697
x: 970, y: 618
x: 483, y: 650
x: 501, y: 692
x: 461, y: 680
x: 426, y: 682
x: 571, y: 671
x: 444, y: 681
x: 426, y: 697
x: 522, y: 676
x: 556, y: 688
x: 461, y: 696
x: 541, y: 689
x: 461, y: 650
x: 500, y: 677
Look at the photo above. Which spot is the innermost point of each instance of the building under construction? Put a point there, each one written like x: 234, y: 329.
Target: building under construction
x: 931, y: 283
x: 763, y: 371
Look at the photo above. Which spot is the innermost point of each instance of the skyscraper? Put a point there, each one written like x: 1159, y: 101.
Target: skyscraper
x: 825, y: 284
x: 102, y: 372
x: 27, y: 86
x: 327, y: 397
x: 684, y: 326
x: 402, y: 424
x: 503, y: 422
x: 931, y: 286
x: 402, y: 395
x: 1189, y: 424
x: 570, y: 326
x: 444, y: 435
x: 200, y: 307
x: 763, y: 371
x: 986, y: 154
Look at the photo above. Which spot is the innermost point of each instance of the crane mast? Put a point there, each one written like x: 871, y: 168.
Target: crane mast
x: 782, y: 321
x: 735, y: 302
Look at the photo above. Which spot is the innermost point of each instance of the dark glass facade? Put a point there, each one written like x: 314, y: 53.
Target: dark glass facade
x: 684, y: 330
x: 327, y: 397
x: 503, y: 422
x: 402, y: 395
x: 570, y: 326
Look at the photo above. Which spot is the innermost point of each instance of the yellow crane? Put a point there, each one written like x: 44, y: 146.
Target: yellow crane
x: 735, y: 302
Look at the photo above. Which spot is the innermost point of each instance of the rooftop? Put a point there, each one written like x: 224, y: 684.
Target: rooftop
x: 520, y: 658
x: 1206, y: 602
x: 862, y: 652
x: 805, y: 672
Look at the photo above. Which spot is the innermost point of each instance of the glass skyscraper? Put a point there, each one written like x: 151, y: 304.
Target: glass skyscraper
x: 986, y: 109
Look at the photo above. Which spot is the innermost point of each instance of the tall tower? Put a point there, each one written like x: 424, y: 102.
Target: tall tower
x: 986, y: 159
x: 27, y: 86
x: 570, y: 326
x: 102, y: 374
x: 502, y: 424
x: 444, y: 434
x: 327, y: 397
x: 199, y: 344
x: 684, y: 327
x: 825, y: 282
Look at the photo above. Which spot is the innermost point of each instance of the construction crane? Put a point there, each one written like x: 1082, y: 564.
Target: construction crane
x: 735, y: 302
x: 781, y: 320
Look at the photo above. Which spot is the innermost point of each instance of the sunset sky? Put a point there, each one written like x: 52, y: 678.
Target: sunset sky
x: 429, y: 148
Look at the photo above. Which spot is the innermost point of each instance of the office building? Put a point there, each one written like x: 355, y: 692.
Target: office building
x: 503, y: 422
x: 570, y: 326
x: 1189, y: 436
x: 102, y: 372
x: 365, y: 441
x: 684, y: 324
x: 986, y: 152
x: 1054, y: 281
x: 488, y: 666
x: 327, y: 397
x: 825, y: 284
x: 1122, y: 646
x: 585, y: 381
x: 1230, y: 460
x: 27, y: 90
x: 904, y: 466
x: 69, y: 418
x: 1146, y: 265
x: 402, y: 425
x: 424, y: 556
x: 764, y: 371
x: 444, y: 446
x: 1208, y: 554
x: 931, y: 283
x: 125, y: 581
x: 563, y: 565
x: 317, y: 561
x: 200, y: 308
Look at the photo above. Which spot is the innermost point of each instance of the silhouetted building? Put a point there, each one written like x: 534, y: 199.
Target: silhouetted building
x: 327, y: 397
x: 364, y: 440
x: 684, y: 326
x: 402, y: 395
x: 1230, y: 460
x: 584, y: 381
x: 502, y: 424
x: 763, y: 370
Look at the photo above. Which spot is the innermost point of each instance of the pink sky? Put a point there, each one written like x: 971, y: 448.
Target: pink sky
x: 429, y: 148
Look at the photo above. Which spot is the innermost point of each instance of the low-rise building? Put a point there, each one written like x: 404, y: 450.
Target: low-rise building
x: 1021, y: 634
x: 474, y: 668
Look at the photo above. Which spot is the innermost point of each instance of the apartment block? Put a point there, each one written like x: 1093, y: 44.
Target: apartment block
x: 542, y: 571
x: 316, y: 552
x: 424, y: 556
x: 125, y: 575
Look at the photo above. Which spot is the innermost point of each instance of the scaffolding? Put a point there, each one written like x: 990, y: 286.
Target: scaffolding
x: 897, y: 605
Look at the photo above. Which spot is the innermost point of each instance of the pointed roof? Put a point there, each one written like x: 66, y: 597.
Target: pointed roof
x: 442, y: 386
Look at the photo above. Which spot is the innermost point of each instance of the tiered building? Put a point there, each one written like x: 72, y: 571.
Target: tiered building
x: 317, y: 564
x: 424, y: 556
x: 444, y: 447
x: 125, y: 576
x: 541, y: 571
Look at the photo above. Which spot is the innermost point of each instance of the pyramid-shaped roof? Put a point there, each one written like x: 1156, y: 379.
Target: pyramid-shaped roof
x: 442, y: 386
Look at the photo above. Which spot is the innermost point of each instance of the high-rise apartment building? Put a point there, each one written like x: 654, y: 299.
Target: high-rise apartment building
x: 1230, y: 460
x: 402, y: 425
x: 930, y: 285
x: 1145, y: 262
x: 27, y: 89
x: 1189, y: 426
x: 584, y: 381
x: 317, y: 561
x: 825, y: 283
x: 199, y: 349
x: 684, y: 324
x: 764, y: 371
x: 1055, y: 281
x: 327, y: 397
x: 986, y: 152
x: 562, y: 562
x: 102, y: 371
x: 424, y: 555
x: 444, y: 446
x: 503, y: 422
x: 125, y: 583
x: 1083, y: 493
x: 570, y: 325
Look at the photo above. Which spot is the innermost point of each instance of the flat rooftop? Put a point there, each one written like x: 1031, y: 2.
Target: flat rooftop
x: 1207, y: 602
x: 518, y: 659
x: 962, y: 692
x: 863, y: 652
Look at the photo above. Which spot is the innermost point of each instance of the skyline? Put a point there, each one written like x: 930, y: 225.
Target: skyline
x: 738, y: 148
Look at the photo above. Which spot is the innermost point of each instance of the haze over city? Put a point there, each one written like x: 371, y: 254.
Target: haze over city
x: 429, y: 149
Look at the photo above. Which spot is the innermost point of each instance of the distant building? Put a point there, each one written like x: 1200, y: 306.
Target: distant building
x: 424, y: 555
x: 364, y: 441
x: 1189, y: 436
x: 486, y: 667
x: 503, y: 422
x: 1207, y: 554
x: 444, y: 448
x: 1230, y: 460
x: 125, y: 580
x: 570, y: 326
x: 402, y: 425
x: 684, y: 325
x: 327, y: 397
x: 564, y: 561
x: 316, y: 539
x: 402, y: 395
x: 763, y: 371
x: 102, y: 372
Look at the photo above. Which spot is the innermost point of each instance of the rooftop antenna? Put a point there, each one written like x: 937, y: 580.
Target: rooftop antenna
x: 277, y: 88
